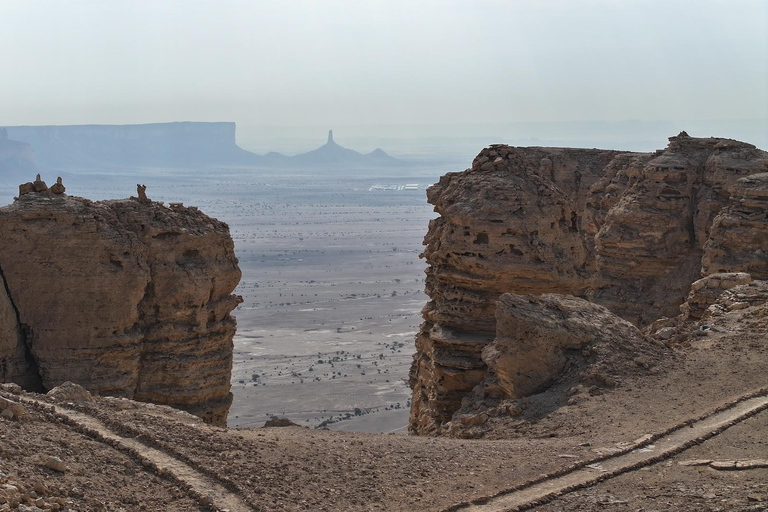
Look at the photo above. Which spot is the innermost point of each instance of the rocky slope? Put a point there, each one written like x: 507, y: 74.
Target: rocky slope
x: 104, y: 453
x: 126, y: 297
x: 628, y: 231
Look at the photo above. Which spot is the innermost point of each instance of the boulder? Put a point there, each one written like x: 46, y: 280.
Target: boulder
x: 534, y: 334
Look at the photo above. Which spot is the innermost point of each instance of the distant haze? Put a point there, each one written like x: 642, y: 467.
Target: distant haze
x: 383, y: 68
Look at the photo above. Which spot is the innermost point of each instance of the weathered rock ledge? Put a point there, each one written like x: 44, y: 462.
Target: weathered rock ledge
x: 127, y: 298
x: 628, y: 231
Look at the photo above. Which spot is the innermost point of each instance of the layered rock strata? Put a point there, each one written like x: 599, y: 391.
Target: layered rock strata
x: 738, y: 238
x: 628, y: 231
x: 707, y: 290
x: 122, y: 297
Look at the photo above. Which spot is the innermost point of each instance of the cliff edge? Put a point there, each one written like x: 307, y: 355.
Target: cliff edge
x: 127, y: 298
x: 628, y: 231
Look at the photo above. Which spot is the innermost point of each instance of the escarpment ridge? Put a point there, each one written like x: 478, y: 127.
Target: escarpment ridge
x: 628, y: 231
x: 127, y: 298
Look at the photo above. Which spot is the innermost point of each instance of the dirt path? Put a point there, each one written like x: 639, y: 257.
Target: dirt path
x: 202, y: 488
x: 643, y: 453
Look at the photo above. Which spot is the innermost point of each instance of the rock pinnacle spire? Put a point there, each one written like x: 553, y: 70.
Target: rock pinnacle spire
x: 330, y: 136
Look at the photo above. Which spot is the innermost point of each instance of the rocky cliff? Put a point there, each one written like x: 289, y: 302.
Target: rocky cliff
x: 125, y: 297
x: 628, y: 231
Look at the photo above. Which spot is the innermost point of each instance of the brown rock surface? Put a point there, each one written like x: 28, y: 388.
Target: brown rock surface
x: 534, y: 333
x: 627, y: 231
x: 739, y: 233
x: 124, y: 298
x: 706, y: 291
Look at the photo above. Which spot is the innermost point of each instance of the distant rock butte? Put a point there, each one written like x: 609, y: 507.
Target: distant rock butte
x: 331, y: 154
x: 628, y: 231
x: 125, y: 298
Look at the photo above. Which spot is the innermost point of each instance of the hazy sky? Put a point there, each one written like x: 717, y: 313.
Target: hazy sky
x: 369, y: 62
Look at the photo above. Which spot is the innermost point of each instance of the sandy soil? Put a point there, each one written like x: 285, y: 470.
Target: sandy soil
x: 670, y: 485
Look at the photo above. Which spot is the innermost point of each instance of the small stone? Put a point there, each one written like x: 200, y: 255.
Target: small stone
x: 55, y: 464
x: 70, y: 391
x: 17, y: 410
x: 723, y: 464
x: 279, y: 422
x: 11, y: 387
x: 6, y: 414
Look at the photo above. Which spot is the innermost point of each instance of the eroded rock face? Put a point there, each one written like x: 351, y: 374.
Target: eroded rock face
x: 534, y: 333
x: 707, y: 290
x: 628, y: 231
x: 739, y: 235
x: 124, y: 298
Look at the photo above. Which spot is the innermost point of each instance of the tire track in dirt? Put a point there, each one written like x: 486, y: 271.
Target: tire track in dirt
x: 205, y: 490
x: 644, y: 452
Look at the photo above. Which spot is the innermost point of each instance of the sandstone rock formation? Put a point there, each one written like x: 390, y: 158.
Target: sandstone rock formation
x: 707, y: 290
x: 122, y: 297
x: 739, y: 235
x: 628, y: 231
x: 533, y: 334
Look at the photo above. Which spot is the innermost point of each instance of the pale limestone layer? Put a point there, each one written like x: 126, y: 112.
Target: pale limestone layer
x: 124, y: 298
x: 628, y: 231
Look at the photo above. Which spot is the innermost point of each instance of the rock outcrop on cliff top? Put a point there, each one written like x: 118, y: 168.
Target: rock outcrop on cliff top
x: 127, y: 298
x: 628, y: 231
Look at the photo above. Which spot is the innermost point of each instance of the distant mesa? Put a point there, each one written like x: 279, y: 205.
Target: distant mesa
x: 16, y: 158
x: 182, y: 144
